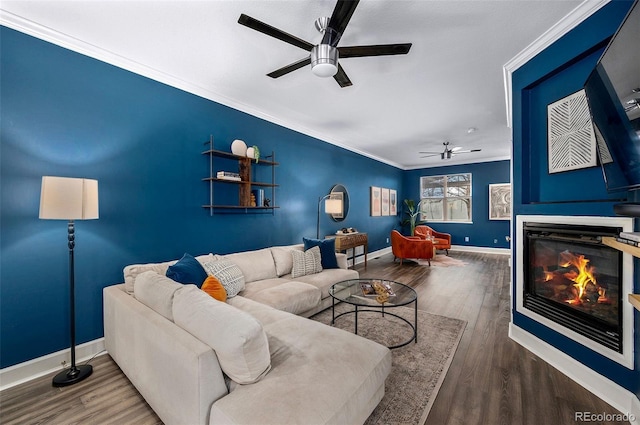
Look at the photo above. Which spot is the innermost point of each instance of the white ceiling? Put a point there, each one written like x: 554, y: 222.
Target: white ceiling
x: 451, y: 80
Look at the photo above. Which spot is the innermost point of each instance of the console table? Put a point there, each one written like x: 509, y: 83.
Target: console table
x: 352, y: 241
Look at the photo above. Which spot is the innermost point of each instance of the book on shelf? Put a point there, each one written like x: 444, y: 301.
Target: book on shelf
x: 235, y: 179
x: 628, y: 241
x: 228, y: 175
x: 369, y: 288
x: 634, y: 236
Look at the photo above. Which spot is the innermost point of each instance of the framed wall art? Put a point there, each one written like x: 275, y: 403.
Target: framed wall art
x: 393, y: 202
x: 571, y: 140
x: 376, y: 201
x: 500, y: 201
x: 385, y: 201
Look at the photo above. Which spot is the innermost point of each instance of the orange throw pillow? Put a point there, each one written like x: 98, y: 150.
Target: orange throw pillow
x: 213, y: 287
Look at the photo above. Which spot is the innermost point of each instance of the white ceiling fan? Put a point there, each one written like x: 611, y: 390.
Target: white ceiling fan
x: 448, y: 153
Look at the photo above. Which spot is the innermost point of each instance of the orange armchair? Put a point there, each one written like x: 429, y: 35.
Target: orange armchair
x: 440, y: 240
x: 410, y: 247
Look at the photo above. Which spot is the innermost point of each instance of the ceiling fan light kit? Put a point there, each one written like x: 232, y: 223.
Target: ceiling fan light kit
x: 324, y: 60
x: 448, y: 153
x: 323, y: 57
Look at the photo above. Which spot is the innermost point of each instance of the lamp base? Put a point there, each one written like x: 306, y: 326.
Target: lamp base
x: 72, y: 375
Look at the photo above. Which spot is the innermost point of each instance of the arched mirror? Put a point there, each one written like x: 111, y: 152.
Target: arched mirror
x: 339, y: 192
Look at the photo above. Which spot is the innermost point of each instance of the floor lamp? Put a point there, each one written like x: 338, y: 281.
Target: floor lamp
x: 331, y: 206
x: 63, y: 198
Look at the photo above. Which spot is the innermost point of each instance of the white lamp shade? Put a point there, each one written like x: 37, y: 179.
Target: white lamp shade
x: 333, y: 206
x: 64, y: 198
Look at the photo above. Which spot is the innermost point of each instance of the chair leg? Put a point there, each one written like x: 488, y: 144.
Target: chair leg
x: 429, y: 260
x: 447, y: 252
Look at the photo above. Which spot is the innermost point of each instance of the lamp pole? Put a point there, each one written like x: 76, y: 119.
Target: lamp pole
x: 318, y: 222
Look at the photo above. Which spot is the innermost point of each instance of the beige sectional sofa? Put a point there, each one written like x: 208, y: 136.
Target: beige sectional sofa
x: 251, y: 360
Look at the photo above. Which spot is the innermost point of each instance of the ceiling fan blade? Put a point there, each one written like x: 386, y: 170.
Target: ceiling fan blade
x: 432, y: 153
x: 341, y: 78
x: 267, y: 29
x: 428, y: 156
x: 374, y: 50
x: 472, y: 150
x: 290, y: 68
x: 338, y: 21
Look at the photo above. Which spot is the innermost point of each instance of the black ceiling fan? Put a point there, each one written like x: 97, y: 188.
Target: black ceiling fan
x: 448, y: 153
x: 323, y: 57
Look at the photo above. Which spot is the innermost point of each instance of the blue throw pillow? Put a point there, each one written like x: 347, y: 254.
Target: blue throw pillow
x: 187, y: 271
x: 327, y: 251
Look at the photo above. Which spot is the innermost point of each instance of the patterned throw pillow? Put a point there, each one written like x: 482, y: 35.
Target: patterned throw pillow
x: 228, y: 273
x: 307, y: 262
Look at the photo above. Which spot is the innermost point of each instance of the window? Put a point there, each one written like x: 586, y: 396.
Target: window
x: 446, y: 198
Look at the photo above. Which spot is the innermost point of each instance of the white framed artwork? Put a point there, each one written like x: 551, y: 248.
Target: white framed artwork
x: 500, y: 201
x: 571, y: 140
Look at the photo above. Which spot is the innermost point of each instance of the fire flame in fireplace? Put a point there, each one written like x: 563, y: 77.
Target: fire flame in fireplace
x: 579, y: 271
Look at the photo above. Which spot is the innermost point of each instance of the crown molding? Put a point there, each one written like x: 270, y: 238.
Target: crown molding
x: 42, y: 32
x: 553, y: 34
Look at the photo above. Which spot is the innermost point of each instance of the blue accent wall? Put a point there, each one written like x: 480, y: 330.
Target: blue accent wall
x: 556, y: 72
x: 66, y: 114
x: 482, y: 232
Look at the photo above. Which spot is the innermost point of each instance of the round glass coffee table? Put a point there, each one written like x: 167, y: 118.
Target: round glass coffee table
x: 362, y: 295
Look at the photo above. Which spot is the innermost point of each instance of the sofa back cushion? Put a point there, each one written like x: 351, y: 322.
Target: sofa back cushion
x: 255, y: 265
x: 283, y: 259
x: 238, y: 338
x: 156, y: 292
x: 133, y: 270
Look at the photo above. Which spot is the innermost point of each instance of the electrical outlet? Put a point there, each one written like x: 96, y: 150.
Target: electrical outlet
x: 495, y: 241
x: 63, y: 363
x: 466, y: 238
x: 387, y: 240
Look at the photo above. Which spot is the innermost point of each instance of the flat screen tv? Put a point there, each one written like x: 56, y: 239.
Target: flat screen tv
x: 613, y: 95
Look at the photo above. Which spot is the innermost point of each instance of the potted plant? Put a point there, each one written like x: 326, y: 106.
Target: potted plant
x: 254, y: 152
x: 412, y: 211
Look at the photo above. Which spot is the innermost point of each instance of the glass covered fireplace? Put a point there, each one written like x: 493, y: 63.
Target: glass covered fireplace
x: 573, y: 279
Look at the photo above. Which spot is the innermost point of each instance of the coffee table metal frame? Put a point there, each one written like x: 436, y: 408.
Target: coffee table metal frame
x: 368, y: 304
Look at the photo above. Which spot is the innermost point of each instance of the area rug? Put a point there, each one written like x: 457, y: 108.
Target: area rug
x: 442, y: 261
x: 418, y: 369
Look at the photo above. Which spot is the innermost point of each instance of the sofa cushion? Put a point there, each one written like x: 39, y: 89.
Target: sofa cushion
x: 327, y: 251
x: 187, y: 270
x: 214, y: 288
x: 307, y: 262
x: 290, y: 296
x: 156, y: 292
x: 237, y: 337
x: 228, y: 273
x: 283, y: 259
x: 255, y: 265
x: 133, y: 270
x: 324, y: 280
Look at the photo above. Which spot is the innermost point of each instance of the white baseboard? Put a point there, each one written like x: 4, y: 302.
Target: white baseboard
x: 23, y: 372
x: 483, y: 249
x: 620, y: 398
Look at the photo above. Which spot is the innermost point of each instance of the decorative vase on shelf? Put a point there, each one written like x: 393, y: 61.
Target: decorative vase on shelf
x: 239, y: 147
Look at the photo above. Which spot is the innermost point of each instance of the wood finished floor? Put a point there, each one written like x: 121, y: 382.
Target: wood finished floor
x: 491, y: 381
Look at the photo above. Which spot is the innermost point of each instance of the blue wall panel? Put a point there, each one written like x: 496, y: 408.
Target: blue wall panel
x: 556, y: 72
x: 69, y: 115
x: 483, y: 232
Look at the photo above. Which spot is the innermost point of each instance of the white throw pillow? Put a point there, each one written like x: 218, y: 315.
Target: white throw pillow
x: 236, y: 336
x: 229, y: 275
x: 307, y: 262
